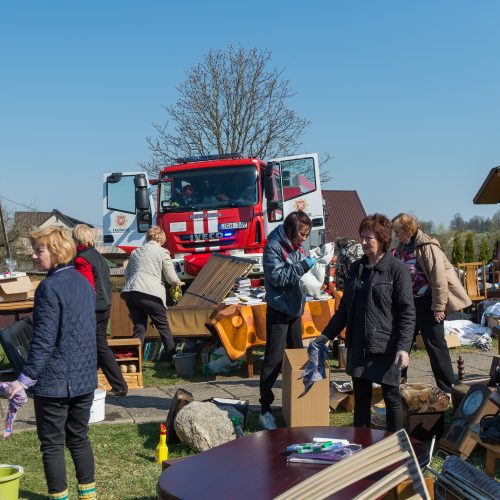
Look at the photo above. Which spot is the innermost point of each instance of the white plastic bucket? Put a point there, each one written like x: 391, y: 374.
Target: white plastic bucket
x: 98, y: 408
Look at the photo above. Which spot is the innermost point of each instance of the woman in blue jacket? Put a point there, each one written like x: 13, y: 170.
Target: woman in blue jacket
x: 285, y: 263
x: 61, y: 369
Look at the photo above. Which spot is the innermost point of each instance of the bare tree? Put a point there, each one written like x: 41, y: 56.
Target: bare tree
x: 231, y: 102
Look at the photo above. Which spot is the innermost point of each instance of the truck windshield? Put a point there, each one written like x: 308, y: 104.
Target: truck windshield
x: 209, y: 188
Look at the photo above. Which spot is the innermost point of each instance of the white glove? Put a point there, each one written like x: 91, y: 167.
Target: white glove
x: 402, y: 359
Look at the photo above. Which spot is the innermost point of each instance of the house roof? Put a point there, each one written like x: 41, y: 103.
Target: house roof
x: 343, y: 213
x: 489, y: 192
x: 36, y: 219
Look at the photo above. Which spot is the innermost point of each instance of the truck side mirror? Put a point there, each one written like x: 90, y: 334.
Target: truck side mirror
x: 141, y: 192
x: 268, y: 188
x: 142, y: 207
x: 269, y: 168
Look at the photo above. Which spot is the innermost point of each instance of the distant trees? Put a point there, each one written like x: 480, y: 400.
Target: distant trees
x: 426, y: 226
x: 476, y: 223
x: 457, y: 223
x: 457, y: 251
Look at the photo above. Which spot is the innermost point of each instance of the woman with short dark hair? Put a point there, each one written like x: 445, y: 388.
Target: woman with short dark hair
x: 379, y: 316
x: 285, y: 262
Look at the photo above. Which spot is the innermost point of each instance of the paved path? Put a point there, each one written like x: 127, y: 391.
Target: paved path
x: 151, y: 404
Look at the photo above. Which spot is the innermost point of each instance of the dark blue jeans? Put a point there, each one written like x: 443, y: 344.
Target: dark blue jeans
x: 60, y: 421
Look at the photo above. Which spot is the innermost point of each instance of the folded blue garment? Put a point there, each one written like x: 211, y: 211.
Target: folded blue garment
x: 315, y: 367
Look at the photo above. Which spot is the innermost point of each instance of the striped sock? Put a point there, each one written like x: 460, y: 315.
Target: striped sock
x: 62, y: 495
x: 86, y: 491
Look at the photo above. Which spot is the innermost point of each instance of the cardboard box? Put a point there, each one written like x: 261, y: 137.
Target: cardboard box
x: 14, y: 289
x: 345, y: 400
x: 452, y: 340
x: 313, y: 407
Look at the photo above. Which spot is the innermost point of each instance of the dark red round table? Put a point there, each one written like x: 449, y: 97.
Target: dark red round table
x: 255, y: 466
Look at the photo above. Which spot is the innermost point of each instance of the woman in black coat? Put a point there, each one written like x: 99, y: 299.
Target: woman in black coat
x: 379, y: 316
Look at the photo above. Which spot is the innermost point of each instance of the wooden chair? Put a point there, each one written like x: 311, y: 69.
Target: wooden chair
x: 471, y: 274
x: 377, y: 457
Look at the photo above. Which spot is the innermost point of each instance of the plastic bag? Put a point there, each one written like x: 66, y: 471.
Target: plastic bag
x: 220, y: 362
x: 312, y: 281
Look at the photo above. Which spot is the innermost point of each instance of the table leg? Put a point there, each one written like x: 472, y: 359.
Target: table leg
x: 491, y: 457
x: 341, y: 350
x: 249, y: 362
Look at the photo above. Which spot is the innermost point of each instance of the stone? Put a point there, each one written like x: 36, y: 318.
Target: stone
x: 202, y: 426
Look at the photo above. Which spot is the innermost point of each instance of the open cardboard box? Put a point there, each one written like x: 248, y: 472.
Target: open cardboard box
x: 451, y: 341
x: 15, y: 287
x: 313, y: 407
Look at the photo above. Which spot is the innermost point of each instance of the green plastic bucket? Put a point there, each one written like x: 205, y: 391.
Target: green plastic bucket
x: 9, y: 481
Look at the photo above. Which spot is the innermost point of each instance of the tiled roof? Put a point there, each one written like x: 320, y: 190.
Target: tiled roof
x: 36, y: 219
x: 31, y: 219
x: 344, y: 212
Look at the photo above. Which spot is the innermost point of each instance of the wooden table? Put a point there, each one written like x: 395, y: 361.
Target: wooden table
x: 16, y: 308
x: 255, y: 466
x: 242, y: 327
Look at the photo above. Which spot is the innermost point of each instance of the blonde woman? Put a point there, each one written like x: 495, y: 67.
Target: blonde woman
x: 149, y: 267
x: 91, y: 264
x: 61, y: 369
x: 437, y: 292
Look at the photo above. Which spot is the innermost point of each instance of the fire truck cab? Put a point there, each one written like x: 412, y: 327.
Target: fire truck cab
x: 225, y: 203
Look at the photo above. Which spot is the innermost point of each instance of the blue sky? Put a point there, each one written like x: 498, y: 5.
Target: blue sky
x: 404, y: 95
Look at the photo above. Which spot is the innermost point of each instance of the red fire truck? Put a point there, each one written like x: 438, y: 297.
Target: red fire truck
x: 225, y: 203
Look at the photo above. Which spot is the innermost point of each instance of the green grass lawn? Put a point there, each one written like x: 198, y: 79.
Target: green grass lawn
x: 124, y: 454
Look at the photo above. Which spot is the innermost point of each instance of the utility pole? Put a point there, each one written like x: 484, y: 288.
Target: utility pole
x: 4, y: 231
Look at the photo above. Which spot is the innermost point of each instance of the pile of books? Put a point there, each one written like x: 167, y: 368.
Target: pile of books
x: 321, y: 451
x: 153, y: 349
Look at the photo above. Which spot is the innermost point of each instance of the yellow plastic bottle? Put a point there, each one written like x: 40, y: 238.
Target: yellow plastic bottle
x: 162, y: 448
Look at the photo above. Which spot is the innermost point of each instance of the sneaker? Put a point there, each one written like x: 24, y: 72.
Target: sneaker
x: 267, y: 421
x: 117, y: 394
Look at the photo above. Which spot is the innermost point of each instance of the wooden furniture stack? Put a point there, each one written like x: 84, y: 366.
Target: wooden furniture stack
x: 473, y: 278
x: 133, y: 376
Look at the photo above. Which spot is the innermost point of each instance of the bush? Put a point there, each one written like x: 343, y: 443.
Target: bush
x: 469, y: 248
x: 484, y: 254
x: 457, y: 252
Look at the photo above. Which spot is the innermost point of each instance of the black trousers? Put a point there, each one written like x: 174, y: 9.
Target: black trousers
x: 60, y: 420
x: 435, y: 343
x: 281, y: 331
x: 363, y: 399
x: 141, y: 305
x: 105, y: 358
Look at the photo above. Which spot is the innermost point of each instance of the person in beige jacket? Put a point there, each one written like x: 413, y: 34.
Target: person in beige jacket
x: 144, y: 292
x: 437, y: 292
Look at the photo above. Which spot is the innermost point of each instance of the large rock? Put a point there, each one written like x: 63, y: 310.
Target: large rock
x: 203, y: 426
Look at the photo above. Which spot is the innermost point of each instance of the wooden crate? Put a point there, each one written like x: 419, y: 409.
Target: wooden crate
x: 184, y: 322
x: 134, y: 380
